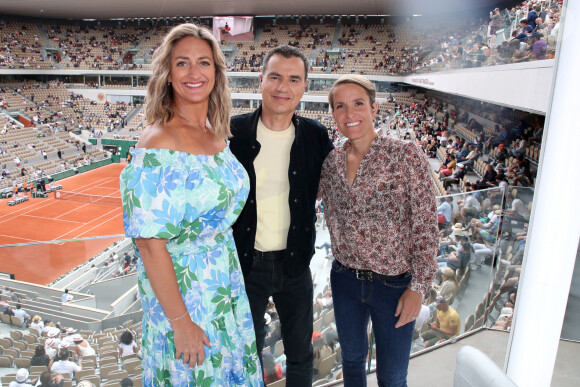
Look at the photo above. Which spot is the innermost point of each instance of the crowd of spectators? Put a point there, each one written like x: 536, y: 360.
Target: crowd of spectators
x: 408, y: 46
x: 479, y: 148
x: 527, y: 31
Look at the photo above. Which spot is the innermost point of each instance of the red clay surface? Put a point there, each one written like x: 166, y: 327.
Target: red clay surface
x: 51, y: 219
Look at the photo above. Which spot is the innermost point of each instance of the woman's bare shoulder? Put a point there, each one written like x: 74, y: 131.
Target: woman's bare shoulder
x: 156, y: 136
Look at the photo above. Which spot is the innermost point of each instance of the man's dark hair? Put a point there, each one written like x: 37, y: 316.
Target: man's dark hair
x: 524, y: 20
x: 63, y: 354
x: 286, y: 52
x: 127, y: 382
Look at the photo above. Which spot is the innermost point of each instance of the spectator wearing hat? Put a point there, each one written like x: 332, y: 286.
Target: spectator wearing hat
x: 495, y: 22
x: 449, y: 285
x: 50, y: 348
x: 64, y: 365
x: 83, y: 348
x: 47, y: 326
x: 321, y: 349
x: 68, y: 339
x: 502, y: 156
x: 37, y: 324
x: 21, y: 379
x: 446, y: 325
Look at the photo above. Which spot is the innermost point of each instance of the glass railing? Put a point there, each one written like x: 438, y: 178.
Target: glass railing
x: 479, y: 258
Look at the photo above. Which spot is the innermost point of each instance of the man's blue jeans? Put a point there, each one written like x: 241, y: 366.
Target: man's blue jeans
x: 355, y: 301
x: 293, y: 299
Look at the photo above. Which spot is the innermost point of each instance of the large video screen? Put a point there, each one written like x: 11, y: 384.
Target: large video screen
x: 234, y: 28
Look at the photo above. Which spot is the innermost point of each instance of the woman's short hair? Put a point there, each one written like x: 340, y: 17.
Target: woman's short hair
x: 355, y: 80
x: 160, y: 99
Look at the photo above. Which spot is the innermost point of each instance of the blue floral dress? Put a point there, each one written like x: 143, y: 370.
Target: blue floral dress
x: 192, y: 201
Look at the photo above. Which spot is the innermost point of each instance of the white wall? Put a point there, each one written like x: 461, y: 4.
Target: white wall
x: 525, y: 86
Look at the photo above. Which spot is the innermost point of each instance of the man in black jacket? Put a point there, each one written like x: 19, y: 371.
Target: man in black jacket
x: 275, y: 233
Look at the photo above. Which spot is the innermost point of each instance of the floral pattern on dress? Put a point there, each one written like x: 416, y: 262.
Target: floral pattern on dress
x: 192, y: 201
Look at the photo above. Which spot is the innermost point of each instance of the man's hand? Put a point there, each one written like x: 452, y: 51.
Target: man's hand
x: 408, y: 307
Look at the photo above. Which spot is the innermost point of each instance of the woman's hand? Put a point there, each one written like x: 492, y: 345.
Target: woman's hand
x: 188, y: 337
x: 408, y: 307
x: 189, y: 341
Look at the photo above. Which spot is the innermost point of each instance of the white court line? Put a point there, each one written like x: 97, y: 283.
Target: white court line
x: 15, y: 237
x: 28, y: 209
x: 17, y: 213
x: 100, y: 224
x: 73, y: 210
x: 86, y: 223
x: 57, y: 218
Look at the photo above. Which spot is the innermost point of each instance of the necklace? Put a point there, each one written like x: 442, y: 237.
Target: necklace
x: 192, y: 123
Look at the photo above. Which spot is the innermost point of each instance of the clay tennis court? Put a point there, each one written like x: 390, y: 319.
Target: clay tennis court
x: 51, y: 219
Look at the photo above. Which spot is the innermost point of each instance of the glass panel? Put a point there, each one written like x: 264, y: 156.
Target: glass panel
x: 485, y: 263
x: 470, y: 264
x: 243, y: 85
x: 102, y: 286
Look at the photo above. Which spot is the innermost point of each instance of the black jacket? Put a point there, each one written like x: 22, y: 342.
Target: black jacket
x: 309, y: 149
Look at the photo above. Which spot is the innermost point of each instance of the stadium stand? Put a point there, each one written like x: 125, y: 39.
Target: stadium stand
x: 39, y: 120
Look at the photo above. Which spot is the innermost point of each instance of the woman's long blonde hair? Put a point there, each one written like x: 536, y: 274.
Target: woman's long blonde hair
x: 160, y: 107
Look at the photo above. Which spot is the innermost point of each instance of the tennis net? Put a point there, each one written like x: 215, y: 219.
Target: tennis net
x: 86, y: 198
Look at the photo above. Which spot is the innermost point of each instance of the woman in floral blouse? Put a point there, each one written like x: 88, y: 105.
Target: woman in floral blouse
x: 380, y: 208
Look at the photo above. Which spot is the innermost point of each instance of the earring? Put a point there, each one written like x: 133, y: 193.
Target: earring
x: 168, y: 83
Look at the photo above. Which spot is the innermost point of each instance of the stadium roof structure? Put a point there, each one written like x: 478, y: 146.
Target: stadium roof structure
x: 111, y: 9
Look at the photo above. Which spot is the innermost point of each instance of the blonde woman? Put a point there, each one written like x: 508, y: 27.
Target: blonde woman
x: 181, y: 193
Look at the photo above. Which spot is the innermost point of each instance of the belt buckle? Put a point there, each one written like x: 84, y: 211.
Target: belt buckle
x: 366, y: 275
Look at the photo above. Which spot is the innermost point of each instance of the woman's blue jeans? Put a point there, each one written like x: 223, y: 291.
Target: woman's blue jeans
x: 355, y: 302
